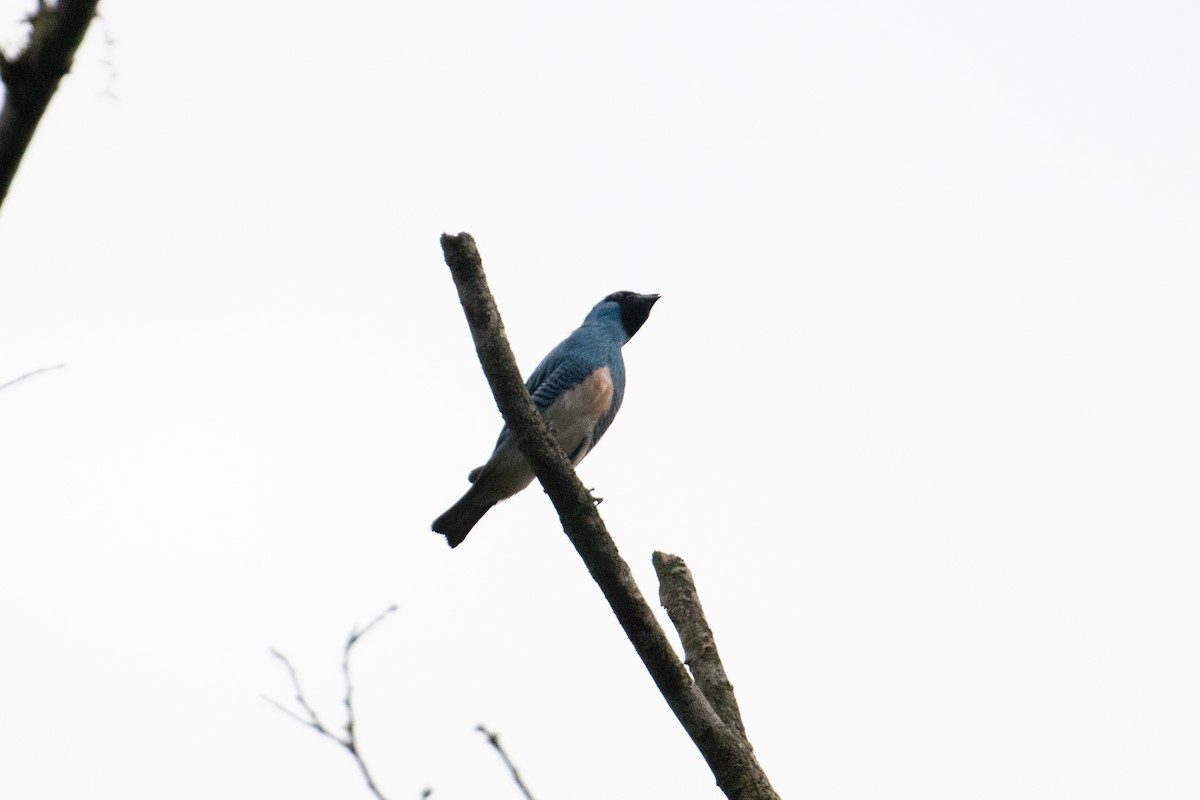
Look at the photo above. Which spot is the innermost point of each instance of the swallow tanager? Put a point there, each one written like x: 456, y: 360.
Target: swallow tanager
x: 577, y: 388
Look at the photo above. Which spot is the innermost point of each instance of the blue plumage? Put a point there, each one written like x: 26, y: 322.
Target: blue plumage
x: 578, y: 388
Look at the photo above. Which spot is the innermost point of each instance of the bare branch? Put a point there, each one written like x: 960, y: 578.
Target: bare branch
x: 15, y: 381
x: 357, y: 634
x: 312, y: 720
x: 726, y: 751
x: 32, y: 77
x: 294, y: 715
x: 350, y: 740
x: 677, y: 592
x: 494, y: 740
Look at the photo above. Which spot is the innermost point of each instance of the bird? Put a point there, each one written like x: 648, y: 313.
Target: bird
x: 578, y: 388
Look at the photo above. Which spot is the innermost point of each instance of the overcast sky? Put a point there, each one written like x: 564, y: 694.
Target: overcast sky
x: 918, y: 405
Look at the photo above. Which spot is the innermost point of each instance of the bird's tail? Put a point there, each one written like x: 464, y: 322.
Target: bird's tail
x: 457, y: 522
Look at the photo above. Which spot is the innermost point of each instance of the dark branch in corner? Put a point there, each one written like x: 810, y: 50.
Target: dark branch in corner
x: 677, y: 592
x: 350, y: 739
x: 494, y: 740
x: 32, y: 77
x: 723, y: 747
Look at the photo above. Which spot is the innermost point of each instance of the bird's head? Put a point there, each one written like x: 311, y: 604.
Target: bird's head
x: 630, y: 308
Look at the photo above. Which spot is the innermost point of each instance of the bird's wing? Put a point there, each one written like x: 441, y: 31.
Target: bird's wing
x: 559, y: 375
x: 558, y: 371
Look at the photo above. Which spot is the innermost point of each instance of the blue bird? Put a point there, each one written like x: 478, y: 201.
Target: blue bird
x: 577, y: 388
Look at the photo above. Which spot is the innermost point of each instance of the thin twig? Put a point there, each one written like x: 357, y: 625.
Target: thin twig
x: 30, y: 375
x: 350, y: 740
x: 494, y: 740
x: 312, y: 720
x: 315, y: 725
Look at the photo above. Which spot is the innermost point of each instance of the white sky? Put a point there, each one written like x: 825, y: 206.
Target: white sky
x: 918, y: 405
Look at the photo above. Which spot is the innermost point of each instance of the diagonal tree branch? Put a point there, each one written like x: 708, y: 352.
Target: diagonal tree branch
x: 31, y: 78
x: 726, y: 751
x: 679, y: 597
